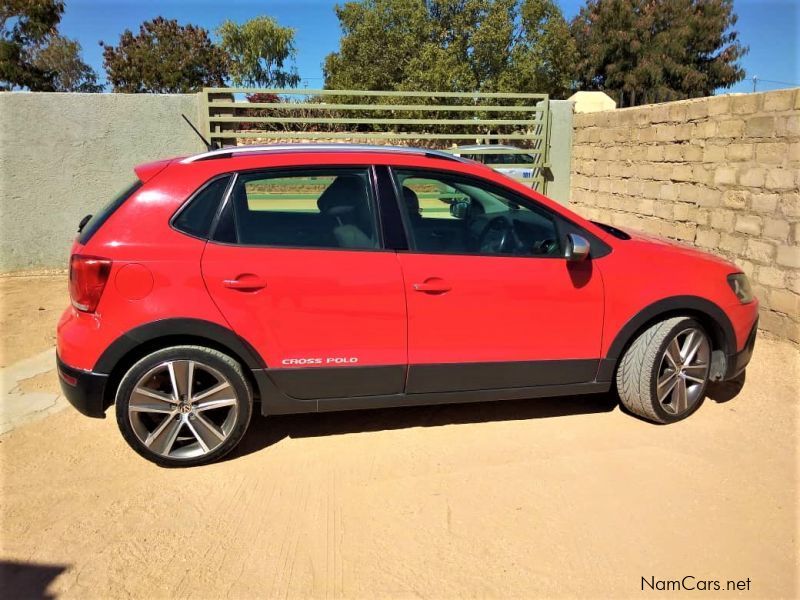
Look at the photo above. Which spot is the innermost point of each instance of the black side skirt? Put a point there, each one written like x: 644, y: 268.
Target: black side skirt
x: 287, y: 391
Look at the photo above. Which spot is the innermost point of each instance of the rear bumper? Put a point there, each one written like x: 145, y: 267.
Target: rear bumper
x: 85, y: 390
x: 736, y: 363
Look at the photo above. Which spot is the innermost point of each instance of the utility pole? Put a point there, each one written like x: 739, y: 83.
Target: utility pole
x: 755, y: 80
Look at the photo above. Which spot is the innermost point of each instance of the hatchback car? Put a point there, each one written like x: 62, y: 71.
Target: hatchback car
x: 294, y: 279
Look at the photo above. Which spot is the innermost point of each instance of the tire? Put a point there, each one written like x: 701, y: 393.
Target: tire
x: 655, y: 381
x: 175, y: 423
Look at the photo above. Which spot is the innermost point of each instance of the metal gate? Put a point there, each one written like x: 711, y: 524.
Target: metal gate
x: 509, y: 132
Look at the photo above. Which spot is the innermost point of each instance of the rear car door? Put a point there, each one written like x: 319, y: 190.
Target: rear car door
x: 298, y: 269
x: 492, y: 302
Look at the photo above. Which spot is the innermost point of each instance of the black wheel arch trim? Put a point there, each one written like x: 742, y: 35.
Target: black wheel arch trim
x: 664, y: 307
x: 165, y: 328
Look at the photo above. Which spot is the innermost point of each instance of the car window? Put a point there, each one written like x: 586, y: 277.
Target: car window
x: 453, y: 215
x: 196, y: 217
x: 508, y: 159
x: 330, y: 208
x: 434, y: 197
x: 97, y: 219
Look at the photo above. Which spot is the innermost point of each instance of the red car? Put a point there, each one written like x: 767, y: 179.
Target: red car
x: 330, y: 277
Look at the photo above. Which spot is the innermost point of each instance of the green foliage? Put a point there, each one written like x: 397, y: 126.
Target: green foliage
x: 452, y: 45
x: 379, y: 38
x: 259, y: 52
x: 164, y: 57
x: 642, y: 51
x: 545, y: 56
x: 25, y: 26
x: 62, y: 57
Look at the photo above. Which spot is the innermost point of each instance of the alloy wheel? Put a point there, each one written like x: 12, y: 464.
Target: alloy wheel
x: 183, y: 409
x: 683, y: 371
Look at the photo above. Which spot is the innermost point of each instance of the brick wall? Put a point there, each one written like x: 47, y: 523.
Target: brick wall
x: 721, y: 173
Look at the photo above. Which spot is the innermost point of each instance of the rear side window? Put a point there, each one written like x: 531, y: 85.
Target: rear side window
x: 93, y: 225
x: 196, y: 216
x: 320, y: 208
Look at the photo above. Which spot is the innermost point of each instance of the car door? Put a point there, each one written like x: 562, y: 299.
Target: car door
x: 297, y: 268
x: 491, y: 301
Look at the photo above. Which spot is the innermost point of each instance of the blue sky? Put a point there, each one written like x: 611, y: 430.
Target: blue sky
x: 770, y: 28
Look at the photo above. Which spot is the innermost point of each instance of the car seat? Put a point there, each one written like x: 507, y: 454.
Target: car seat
x: 345, y: 202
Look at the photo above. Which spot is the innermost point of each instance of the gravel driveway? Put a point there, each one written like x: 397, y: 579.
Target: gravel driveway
x: 566, y: 497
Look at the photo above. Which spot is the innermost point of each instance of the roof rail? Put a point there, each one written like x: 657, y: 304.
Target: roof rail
x: 285, y: 148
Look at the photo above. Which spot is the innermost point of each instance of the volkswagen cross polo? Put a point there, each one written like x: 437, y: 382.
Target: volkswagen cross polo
x: 293, y: 279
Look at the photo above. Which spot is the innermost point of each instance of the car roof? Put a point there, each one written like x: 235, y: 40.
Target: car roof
x: 250, y: 150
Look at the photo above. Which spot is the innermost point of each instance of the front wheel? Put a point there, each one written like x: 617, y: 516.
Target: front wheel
x: 664, y: 373
x: 184, y: 406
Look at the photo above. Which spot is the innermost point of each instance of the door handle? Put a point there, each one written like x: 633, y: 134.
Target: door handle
x: 432, y: 285
x: 245, y: 283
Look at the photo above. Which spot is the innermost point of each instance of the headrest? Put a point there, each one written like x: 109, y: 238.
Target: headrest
x: 412, y: 201
x: 342, y: 196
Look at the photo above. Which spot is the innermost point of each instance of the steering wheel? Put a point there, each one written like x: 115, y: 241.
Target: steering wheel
x: 495, y: 236
x: 546, y: 247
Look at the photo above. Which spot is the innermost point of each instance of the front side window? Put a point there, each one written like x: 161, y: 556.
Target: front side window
x: 454, y: 215
x: 321, y: 208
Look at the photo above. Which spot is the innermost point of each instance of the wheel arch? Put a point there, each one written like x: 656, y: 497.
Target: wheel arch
x: 145, y: 339
x: 707, y: 313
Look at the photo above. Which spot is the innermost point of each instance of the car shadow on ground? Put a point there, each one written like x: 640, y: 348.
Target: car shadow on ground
x: 27, y: 580
x: 264, y: 432
x: 725, y: 391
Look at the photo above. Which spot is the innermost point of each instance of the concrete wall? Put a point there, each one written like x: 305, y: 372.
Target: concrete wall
x: 560, y: 149
x: 722, y: 173
x: 65, y: 155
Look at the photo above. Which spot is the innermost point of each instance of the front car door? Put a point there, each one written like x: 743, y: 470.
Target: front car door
x: 297, y: 267
x: 492, y: 302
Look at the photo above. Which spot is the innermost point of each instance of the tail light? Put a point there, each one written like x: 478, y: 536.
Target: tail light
x: 87, y: 280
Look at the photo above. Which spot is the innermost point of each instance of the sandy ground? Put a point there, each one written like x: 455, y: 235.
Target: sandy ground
x: 546, y: 498
x: 29, y: 310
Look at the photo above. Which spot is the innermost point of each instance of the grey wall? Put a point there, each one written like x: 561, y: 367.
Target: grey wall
x: 65, y: 155
x: 560, y: 149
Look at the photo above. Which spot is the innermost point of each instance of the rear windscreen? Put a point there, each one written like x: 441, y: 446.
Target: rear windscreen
x: 103, y: 214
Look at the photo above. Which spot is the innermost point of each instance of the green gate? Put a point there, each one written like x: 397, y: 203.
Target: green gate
x: 442, y: 120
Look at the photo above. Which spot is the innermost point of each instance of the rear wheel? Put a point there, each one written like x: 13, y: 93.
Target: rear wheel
x: 663, y: 375
x: 184, y: 406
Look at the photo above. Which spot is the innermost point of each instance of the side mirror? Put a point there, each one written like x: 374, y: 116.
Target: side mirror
x: 459, y: 209
x: 577, y: 248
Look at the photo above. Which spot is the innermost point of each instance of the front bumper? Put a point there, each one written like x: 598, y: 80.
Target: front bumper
x: 85, y: 390
x: 736, y: 363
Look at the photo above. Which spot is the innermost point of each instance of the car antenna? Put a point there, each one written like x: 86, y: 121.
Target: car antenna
x: 209, y: 146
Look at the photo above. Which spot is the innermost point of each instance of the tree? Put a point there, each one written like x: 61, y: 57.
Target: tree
x: 259, y: 52
x: 453, y: 45
x: 642, y: 51
x: 164, y: 57
x: 546, y: 56
x: 61, y: 56
x: 379, y: 39
x: 26, y: 25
